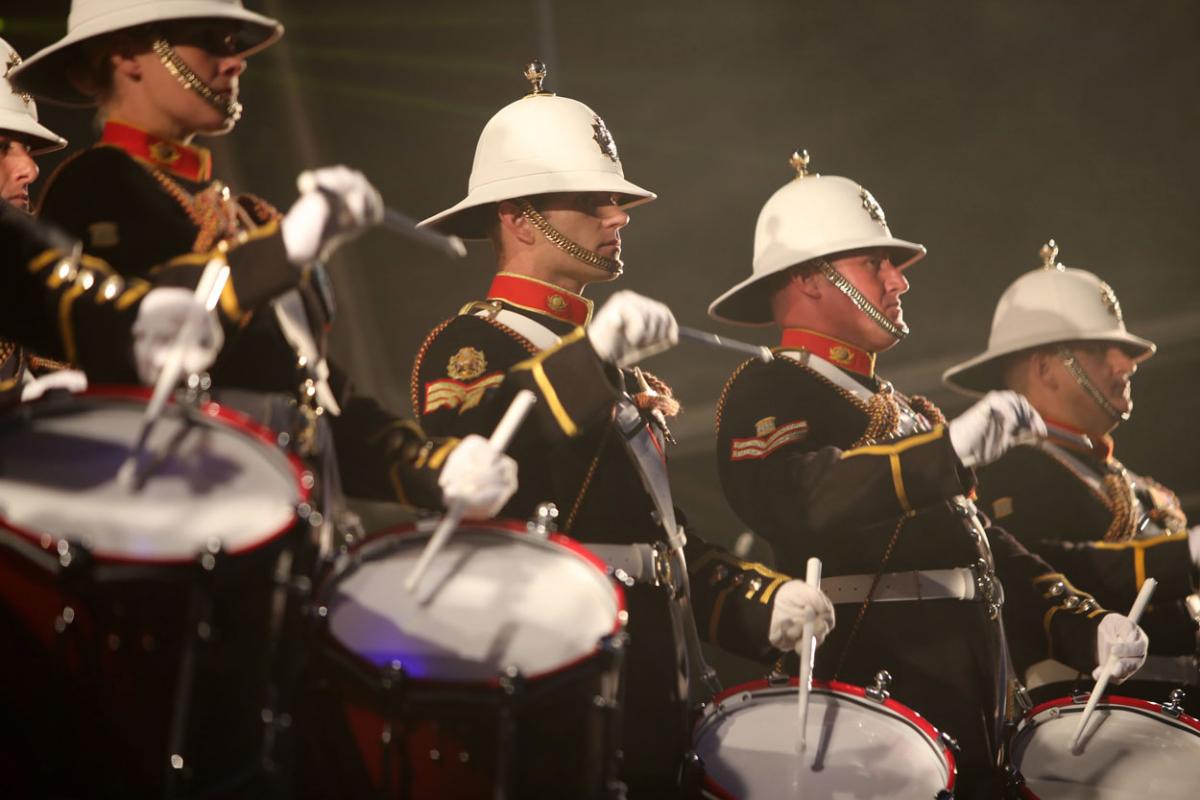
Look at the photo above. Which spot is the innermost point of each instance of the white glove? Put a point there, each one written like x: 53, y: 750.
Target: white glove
x: 336, y: 204
x: 162, y: 315
x: 478, y: 477
x: 630, y: 327
x: 1117, y: 635
x: 71, y: 380
x: 793, y: 601
x: 986, y: 430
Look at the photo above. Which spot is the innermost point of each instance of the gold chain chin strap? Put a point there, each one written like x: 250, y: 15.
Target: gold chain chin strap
x: 1073, y: 366
x: 190, y: 80
x: 864, y: 305
x: 612, y: 266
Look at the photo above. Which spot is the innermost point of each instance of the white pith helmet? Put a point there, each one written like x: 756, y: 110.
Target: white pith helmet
x: 539, y: 144
x: 44, y: 74
x: 18, y: 112
x: 812, y: 216
x: 1046, y: 306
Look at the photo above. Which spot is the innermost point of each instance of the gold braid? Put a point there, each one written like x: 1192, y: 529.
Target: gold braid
x: 925, y: 407
x: 587, y: 481
x: 660, y: 397
x: 883, y: 418
x: 1119, y: 496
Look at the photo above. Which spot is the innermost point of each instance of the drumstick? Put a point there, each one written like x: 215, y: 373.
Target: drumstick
x: 208, y: 292
x: 499, y: 440
x: 711, y: 339
x: 1135, y: 613
x: 396, y: 222
x: 808, y: 646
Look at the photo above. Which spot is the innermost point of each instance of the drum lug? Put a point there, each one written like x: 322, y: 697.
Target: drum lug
x: 1079, y: 695
x: 950, y: 742
x: 944, y: 794
x: 879, y: 688
x: 512, y: 682
x: 778, y: 677
x: 544, y: 520
x: 692, y: 774
x: 1174, y: 705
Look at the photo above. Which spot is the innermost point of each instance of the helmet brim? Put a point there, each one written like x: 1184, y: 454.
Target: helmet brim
x: 45, y: 73
x: 472, y: 217
x: 748, y: 303
x: 985, y: 372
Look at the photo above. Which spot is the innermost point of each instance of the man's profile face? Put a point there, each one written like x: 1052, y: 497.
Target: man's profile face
x: 881, y: 282
x: 593, y: 220
x: 17, y: 171
x: 1110, y: 367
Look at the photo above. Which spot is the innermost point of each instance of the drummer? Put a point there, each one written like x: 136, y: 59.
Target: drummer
x: 822, y: 456
x: 144, y: 199
x: 22, y: 138
x: 548, y: 190
x: 1059, y: 338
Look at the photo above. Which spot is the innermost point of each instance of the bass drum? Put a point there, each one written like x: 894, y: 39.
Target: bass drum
x: 856, y: 746
x: 140, y: 623
x: 1132, y: 749
x: 497, y: 677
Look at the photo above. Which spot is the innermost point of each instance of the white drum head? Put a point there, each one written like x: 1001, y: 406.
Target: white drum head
x: 1131, y: 751
x: 58, y: 479
x: 492, y: 599
x: 856, y: 747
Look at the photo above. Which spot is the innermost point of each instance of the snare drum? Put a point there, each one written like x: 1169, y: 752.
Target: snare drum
x: 856, y: 746
x: 1132, y: 749
x: 498, y: 677
x: 145, y: 619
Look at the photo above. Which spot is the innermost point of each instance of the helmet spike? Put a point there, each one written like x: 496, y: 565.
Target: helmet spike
x: 535, y: 73
x: 799, y: 161
x: 1049, y: 254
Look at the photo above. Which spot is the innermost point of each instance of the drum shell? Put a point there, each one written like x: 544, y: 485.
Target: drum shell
x: 104, y: 641
x: 367, y: 730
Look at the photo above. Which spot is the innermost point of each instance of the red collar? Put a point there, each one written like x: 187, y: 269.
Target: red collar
x: 181, y: 160
x: 835, y: 351
x: 1076, y: 439
x: 540, y: 297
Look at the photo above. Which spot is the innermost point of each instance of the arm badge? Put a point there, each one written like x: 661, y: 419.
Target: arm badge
x: 467, y: 364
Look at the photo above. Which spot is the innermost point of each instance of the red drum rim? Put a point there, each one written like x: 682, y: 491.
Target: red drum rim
x: 1106, y: 701
x: 910, y: 716
x: 229, y: 418
x: 1115, y: 701
x: 497, y: 526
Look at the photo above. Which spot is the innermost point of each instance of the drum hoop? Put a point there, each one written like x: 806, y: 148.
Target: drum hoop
x: 207, y: 412
x: 855, y: 694
x: 1118, y: 702
x: 346, y: 563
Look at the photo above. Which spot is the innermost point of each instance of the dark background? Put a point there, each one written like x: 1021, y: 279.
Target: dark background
x: 983, y: 128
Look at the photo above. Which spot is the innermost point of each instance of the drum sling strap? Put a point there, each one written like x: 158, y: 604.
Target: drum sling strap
x: 651, y: 467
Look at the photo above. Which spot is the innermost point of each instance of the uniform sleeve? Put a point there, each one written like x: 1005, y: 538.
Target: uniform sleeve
x: 81, y: 313
x: 123, y: 215
x: 1054, y: 513
x: 732, y: 599
x: 468, y: 371
x: 1046, y: 616
x: 383, y: 456
x: 777, y: 464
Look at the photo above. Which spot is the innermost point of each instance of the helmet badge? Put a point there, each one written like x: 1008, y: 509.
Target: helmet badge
x: 1109, y: 298
x: 14, y: 61
x: 872, y: 207
x: 1049, y: 254
x: 535, y: 73
x: 604, y: 139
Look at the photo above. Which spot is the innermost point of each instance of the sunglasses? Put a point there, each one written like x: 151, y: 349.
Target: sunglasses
x: 215, y: 38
